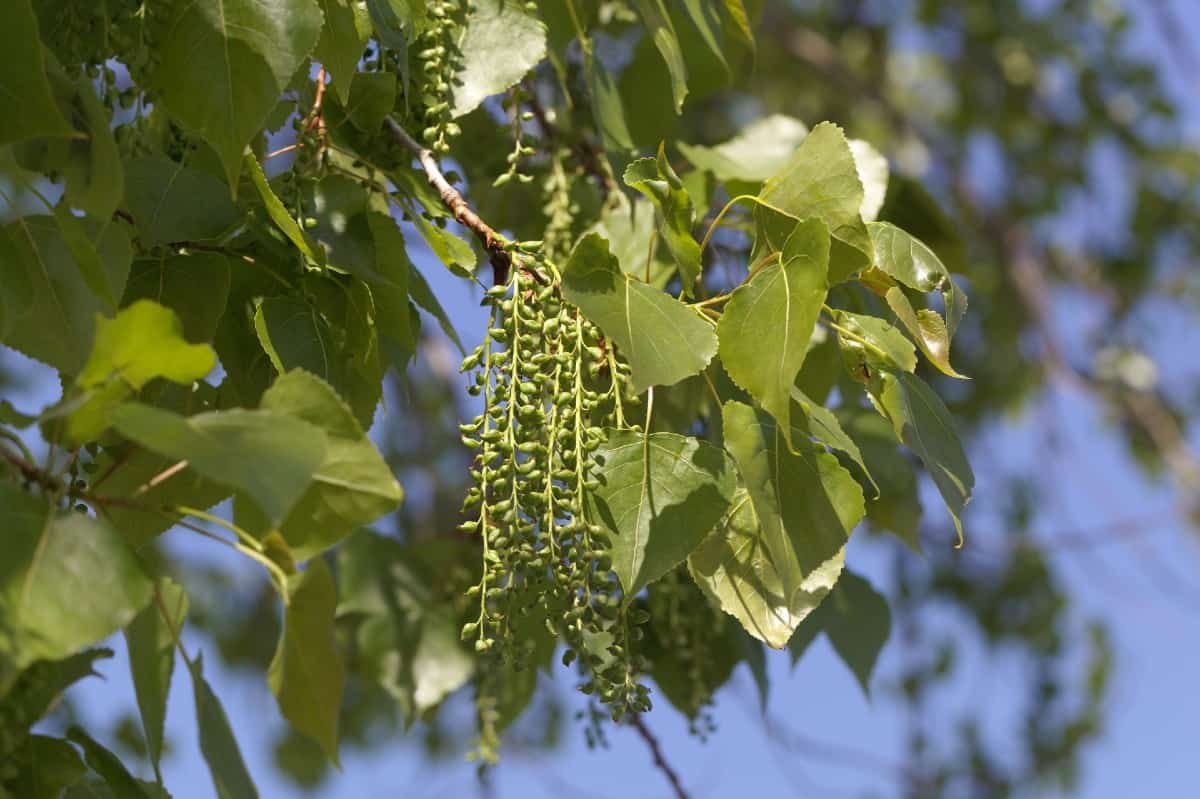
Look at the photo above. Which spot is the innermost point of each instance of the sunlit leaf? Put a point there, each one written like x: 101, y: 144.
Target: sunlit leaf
x: 663, y: 340
x: 502, y: 42
x: 807, y: 504
x: 821, y: 180
x: 734, y: 568
x: 268, y: 455
x: 224, y: 64
x: 765, y: 327
x: 659, y: 495
x: 655, y: 178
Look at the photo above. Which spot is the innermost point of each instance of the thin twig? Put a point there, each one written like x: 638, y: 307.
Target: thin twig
x: 32, y: 472
x: 492, y: 241
x: 656, y: 752
x: 591, y: 157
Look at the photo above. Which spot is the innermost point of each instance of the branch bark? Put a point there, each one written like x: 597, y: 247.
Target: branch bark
x: 656, y: 752
x: 492, y: 241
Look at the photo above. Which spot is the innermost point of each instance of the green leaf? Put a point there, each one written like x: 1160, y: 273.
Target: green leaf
x: 659, y: 495
x: 663, y: 340
x: 306, y: 675
x: 870, y: 344
x: 30, y: 694
x: 736, y: 11
x: 91, y: 267
x: 921, y: 421
x: 332, y: 335
x: 655, y: 178
x: 927, y: 328
x: 704, y: 15
x: 806, y: 503
x: 821, y: 423
x: 821, y: 180
x: 155, y: 480
x: 423, y: 296
x: 342, y: 207
x: 279, y: 215
x: 223, y: 65
x: 896, y: 506
x: 56, y: 325
x: 107, y: 765
x: 93, y: 178
x: 14, y: 275
x: 758, y: 151
x: 909, y: 206
x: 407, y: 641
x: 52, y: 559
x: 150, y: 640
x: 607, y: 106
x: 374, y: 96
x: 230, y: 778
x: 23, y: 82
x: 143, y: 342
x: 858, y: 622
x: 194, y: 286
x: 343, y: 40
x: 767, y: 323
x: 451, y: 250
x: 873, y: 173
x: 632, y: 236
x: 822, y: 365
x: 662, y: 31
x: 353, y: 485
x: 503, y: 41
x: 88, y: 162
x: 394, y: 318
x: 907, y: 259
x: 733, y: 567
x: 170, y: 202
x: 267, y: 455
x: 44, y: 766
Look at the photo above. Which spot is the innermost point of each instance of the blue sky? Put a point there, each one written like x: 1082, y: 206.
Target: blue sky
x: 1144, y: 585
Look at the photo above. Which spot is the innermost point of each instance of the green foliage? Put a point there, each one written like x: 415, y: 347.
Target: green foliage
x: 857, y: 621
x: 52, y: 558
x: 230, y: 778
x: 662, y: 339
x: 225, y: 284
x: 659, y: 495
x: 306, y: 673
x: 766, y: 325
x: 151, y: 638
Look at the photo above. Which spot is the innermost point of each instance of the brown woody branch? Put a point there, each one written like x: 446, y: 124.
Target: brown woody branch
x: 32, y: 473
x: 53, y: 484
x: 656, y: 752
x: 493, y: 242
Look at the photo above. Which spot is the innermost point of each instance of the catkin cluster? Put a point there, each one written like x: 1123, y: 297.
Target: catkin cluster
x: 441, y: 58
x: 550, y: 386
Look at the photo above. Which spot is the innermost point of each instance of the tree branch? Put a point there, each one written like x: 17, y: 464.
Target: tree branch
x: 32, y: 473
x: 660, y: 761
x: 492, y: 241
